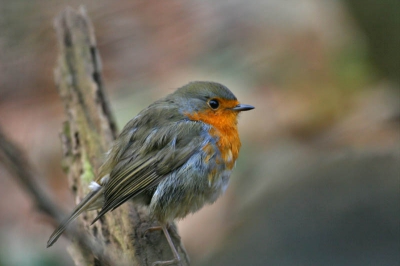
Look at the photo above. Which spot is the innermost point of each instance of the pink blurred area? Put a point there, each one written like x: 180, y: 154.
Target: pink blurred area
x: 304, y: 65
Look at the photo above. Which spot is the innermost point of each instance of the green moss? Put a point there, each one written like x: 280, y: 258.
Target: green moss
x: 87, y: 174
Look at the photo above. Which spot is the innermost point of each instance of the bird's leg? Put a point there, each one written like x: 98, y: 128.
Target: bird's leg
x: 177, y: 258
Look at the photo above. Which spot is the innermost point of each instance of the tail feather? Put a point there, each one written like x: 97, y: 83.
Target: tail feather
x: 90, y: 202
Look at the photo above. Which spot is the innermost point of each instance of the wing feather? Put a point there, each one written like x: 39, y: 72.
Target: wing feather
x: 146, y: 162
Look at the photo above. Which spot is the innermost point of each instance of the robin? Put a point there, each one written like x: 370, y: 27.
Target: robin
x: 175, y: 156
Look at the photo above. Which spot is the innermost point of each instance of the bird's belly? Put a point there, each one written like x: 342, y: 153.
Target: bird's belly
x: 177, y: 196
x: 193, y: 202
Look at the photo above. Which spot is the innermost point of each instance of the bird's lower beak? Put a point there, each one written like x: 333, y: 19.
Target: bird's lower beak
x: 242, y: 107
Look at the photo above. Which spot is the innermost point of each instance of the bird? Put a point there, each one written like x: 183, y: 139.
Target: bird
x: 174, y: 157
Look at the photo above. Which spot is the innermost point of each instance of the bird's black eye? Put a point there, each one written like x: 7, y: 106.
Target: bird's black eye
x: 214, y: 104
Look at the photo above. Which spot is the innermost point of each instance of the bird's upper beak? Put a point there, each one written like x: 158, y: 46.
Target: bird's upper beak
x: 242, y: 107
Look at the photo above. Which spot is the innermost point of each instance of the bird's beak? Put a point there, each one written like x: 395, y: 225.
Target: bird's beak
x: 242, y: 107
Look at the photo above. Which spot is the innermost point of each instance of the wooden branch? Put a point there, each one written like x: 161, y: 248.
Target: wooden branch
x: 18, y: 166
x: 86, y: 136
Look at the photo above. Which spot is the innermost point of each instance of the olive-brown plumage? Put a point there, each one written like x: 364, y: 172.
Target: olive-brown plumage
x: 174, y: 156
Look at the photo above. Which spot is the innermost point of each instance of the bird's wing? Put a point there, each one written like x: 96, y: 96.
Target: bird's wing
x: 150, y: 156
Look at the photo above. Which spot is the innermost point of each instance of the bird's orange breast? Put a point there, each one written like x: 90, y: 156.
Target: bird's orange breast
x: 224, y: 128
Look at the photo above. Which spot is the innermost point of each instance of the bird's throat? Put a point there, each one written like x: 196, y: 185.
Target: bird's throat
x: 224, y: 128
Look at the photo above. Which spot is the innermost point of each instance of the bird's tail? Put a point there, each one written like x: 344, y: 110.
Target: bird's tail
x: 90, y: 202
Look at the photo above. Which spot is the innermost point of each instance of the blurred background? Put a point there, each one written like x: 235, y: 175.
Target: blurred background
x: 318, y: 178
